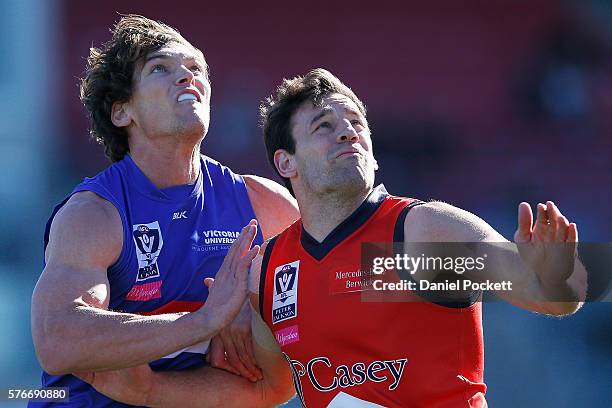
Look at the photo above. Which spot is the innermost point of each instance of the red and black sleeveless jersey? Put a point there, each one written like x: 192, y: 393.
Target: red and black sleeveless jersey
x: 347, y: 351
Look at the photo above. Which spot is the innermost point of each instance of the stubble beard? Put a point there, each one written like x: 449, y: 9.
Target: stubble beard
x: 343, y: 182
x: 192, y: 131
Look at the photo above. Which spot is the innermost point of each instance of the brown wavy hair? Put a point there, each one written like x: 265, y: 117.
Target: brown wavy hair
x: 109, y: 76
x: 277, y: 110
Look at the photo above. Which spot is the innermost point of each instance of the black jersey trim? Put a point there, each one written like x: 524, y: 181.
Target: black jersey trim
x: 460, y: 303
x: 398, y: 233
x: 398, y: 237
x: 319, y: 250
x: 444, y: 301
x: 262, y: 274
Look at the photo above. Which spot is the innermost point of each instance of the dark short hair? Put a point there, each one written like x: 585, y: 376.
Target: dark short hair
x: 276, y: 111
x: 109, y: 76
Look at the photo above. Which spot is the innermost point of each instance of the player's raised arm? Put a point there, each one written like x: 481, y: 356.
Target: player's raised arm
x: 276, y: 370
x: 275, y: 209
x: 207, y: 386
x: 549, y: 248
x: 72, y: 328
x: 547, y: 276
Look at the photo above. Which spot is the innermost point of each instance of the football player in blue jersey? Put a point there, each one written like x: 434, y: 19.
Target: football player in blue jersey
x: 128, y: 251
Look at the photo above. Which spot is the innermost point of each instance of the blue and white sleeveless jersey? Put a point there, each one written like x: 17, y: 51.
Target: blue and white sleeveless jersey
x: 173, y: 238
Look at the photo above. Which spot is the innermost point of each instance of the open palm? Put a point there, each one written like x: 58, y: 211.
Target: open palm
x: 548, y: 247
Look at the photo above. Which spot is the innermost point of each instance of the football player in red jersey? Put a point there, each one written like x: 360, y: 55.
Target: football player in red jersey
x: 342, y: 351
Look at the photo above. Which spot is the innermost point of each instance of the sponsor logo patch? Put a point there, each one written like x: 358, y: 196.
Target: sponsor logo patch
x: 149, y: 242
x: 347, y: 280
x: 146, y: 291
x: 326, y: 376
x: 284, y: 304
x: 287, y: 335
x: 213, y: 240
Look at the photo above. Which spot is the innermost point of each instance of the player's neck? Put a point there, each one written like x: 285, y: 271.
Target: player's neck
x: 323, y: 213
x: 168, y: 167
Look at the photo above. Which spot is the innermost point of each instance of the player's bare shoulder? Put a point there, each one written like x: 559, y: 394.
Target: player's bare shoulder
x: 262, y: 190
x: 437, y: 221
x: 274, y: 206
x: 87, y: 226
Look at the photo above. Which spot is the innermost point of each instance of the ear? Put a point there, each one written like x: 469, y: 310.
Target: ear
x: 119, y: 114
x: 375, y: 165
x: 285, y: 163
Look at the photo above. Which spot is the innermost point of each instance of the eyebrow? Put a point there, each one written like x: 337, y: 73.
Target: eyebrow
x: 353, y: 112
x: 195, y: 58
x: 155, y: 56
x: 326, y: 110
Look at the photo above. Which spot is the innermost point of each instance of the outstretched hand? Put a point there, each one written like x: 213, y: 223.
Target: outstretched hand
x: 229, y: 291
x: 225, y: 299
x: 232, y: 348
x: 548, y: 247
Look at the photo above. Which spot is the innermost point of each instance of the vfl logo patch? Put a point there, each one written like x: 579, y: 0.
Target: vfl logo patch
x: 149, y: 242
x: 284, y: 304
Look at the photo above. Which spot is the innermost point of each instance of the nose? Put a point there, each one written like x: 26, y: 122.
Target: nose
x: 186, y: 76
x: 348, y: 133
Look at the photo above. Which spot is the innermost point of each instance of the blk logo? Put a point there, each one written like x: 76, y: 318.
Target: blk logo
x: 179, y: 215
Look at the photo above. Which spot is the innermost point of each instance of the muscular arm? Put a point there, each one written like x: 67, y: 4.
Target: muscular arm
x: 71, y: 326
x: 440, y: 222
x: 274, y: 206
x: 275, y: 209
x: 212, y: 387
x: 207, y: 386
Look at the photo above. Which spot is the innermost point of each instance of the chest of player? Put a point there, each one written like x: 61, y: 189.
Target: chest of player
x: 345, y: 340
x: 166, y: 256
